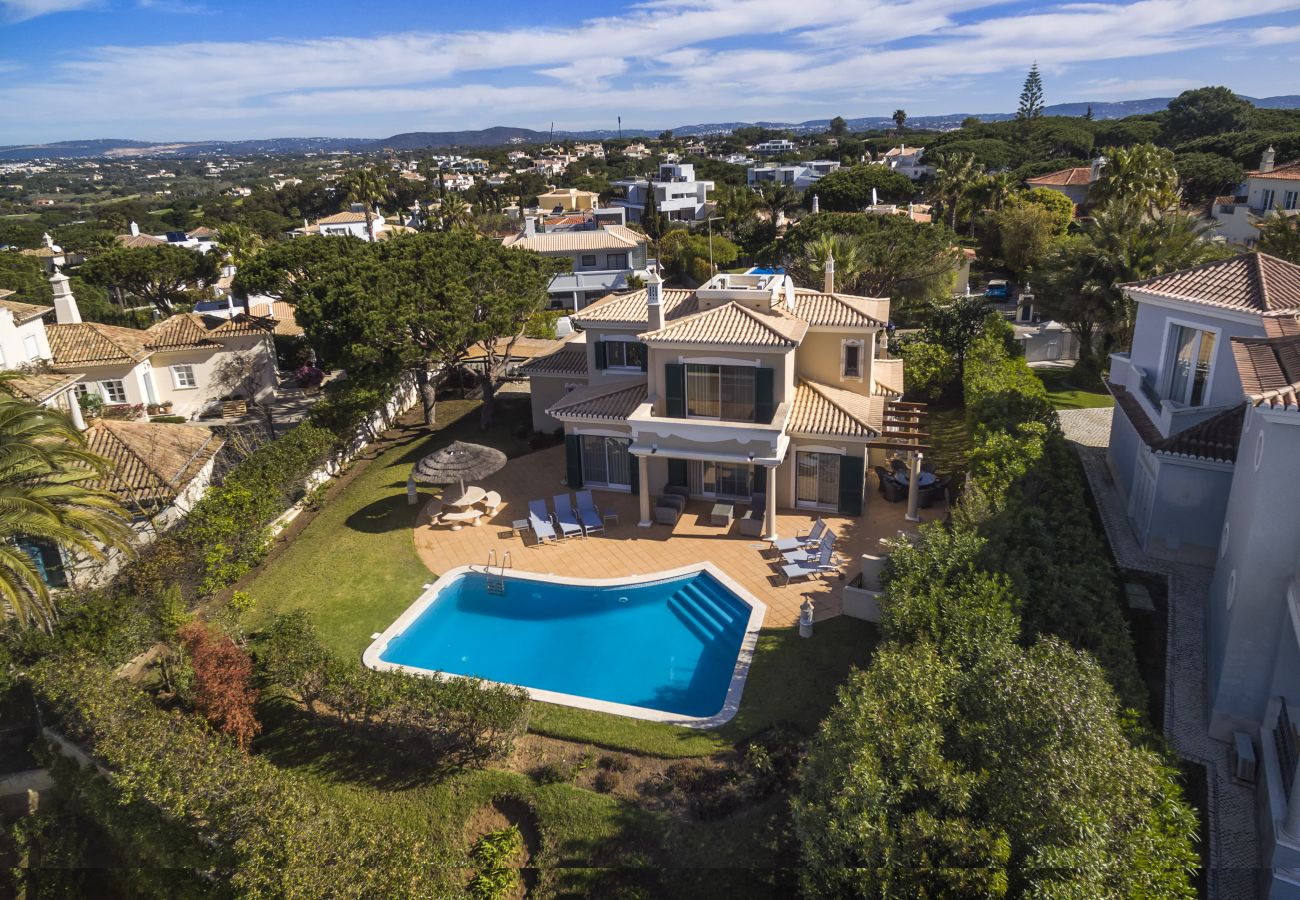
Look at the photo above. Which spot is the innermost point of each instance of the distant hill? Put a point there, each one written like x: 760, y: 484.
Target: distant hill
x: 501, y: 134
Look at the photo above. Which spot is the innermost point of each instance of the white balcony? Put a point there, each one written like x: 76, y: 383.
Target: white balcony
x: 1168, y: 416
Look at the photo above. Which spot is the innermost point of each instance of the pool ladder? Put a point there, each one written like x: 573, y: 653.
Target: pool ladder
x: 496, y: 584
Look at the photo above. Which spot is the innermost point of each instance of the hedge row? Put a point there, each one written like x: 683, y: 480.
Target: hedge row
x: 192, y: 809
x: 1027, y: 497
x: 436, y: 721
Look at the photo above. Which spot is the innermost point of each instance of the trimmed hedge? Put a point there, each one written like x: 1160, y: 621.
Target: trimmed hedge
x: 1027, y: 497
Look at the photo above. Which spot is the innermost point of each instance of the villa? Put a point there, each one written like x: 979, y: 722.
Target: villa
x: 1269, y: 190
x: 747, y: 389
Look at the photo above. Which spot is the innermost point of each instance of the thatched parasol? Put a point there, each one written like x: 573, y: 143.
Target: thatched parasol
x: 457, y: 462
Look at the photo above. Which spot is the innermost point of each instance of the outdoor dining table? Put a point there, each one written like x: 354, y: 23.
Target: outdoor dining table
x: 924, y: 479
x: 460, y: 517
x: 473, y: 494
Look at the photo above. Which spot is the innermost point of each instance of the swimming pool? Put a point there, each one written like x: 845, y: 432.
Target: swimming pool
x: 673, y: 647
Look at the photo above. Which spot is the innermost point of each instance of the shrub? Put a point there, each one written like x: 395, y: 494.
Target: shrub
x: 492, y: 854
x: 605, y: 781
x: 346, y: 405
x: 222, y: 692
x: 552, y: 773
x: 174, y: 420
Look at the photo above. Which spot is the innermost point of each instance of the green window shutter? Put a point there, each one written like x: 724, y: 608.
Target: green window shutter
x: 634, y: 473
x: 645, y: 358
x: 764, y: 395
x: 600, y: 355
x: 851, y: 474
x: 675, y: 389
x: 677, y: 476
x: 573, y: 459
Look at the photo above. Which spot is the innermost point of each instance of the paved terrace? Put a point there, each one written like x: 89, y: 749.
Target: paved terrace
x: 628, y: 549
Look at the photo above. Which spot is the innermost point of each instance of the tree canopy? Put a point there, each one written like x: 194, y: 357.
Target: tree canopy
x: 1207, y: 110
x: 163, y: 275
x: 849, y: 190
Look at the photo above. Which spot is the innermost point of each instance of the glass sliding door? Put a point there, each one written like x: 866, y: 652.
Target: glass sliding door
x: 1187, y: 365
x: 720, y: 392
x: 605, y: 461
x: 732, y: 481
x: 817, y: 479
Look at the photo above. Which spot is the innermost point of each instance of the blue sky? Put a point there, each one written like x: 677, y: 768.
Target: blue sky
x: 204, y: 69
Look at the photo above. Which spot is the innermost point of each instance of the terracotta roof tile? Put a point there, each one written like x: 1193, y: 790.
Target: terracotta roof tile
x: 90, y: 343
x: 150, y: 463
x: 346, y: 217
x: 732, y: 323
x: 614, y: 237
x: 820, y: 409
x: 136, y: 241
x: 1253, y: 282
x: 1286, y: 170
x: 1214, y: 439
x: 568, y: 360
x: 630, y: 309
x: 1270, y: 368
x: 182, y: 331
x: 41, y: 386
x: 1079, y: 177
x: 1146, y: 429
x: 614, y: 401
x: 833, y: 310
x: 23, y: 312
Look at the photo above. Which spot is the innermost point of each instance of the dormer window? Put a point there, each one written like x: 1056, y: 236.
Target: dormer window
x: 851, y: 360
x: 624, y: 354
x: 1189, y: 359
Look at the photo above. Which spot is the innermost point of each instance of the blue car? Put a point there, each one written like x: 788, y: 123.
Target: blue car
x: 997, y: 290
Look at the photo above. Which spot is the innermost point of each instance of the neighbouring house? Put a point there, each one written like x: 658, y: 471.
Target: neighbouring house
x: 186, y: 364
x: 201, y: 239
x: 744, y: 388
x: 906, y: 161
x: 603, y: 258
x: 568, y: 200
x: 1269, y: 190
x: 351, y: 223
x: 774, y: 147
x: 797, y: 175
x: 52, y: 256
x: 678, y: 195
x: 1073, y: 182
x: 1179, y: 402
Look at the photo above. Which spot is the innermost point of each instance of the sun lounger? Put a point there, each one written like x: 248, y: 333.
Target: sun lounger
x: 813, y: 537
x: 565, y: 517
x: 592, y: 521
x: 820, y: 565
x: 539, y: 520
x: 806, y: 554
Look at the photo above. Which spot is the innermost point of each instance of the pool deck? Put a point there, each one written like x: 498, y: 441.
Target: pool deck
x: 628, y: 549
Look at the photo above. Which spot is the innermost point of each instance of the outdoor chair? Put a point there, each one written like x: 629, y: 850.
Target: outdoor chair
x: 592, y: 521
x: 805, y: 554
x: 667, y: 513
x: 677, y: 490
x: 540, y: 521
x: 751, y: 523
x: 881, y: 477
x: 823, y: 563
x: 894, y: 492
x: 897, y: 465
x: 812, y: 537
x: 927, y: 496
x: 566, y: 518
x: 676, y: 501
x: 491, y: 500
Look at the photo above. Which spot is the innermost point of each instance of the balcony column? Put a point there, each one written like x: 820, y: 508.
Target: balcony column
x: 769, y: 495
x: 913, y: 485
x: 643, y: 482
x: 74, y: 410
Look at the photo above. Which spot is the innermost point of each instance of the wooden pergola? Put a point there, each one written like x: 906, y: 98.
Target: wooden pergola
x: 901, y: 431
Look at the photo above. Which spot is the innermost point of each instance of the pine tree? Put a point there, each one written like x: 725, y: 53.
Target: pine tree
x: 1088, y: 114
x: 1031, y: 96
x: 652, y: 221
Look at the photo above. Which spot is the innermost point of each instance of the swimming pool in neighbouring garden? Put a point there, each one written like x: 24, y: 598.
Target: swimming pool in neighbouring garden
x: 672, y: 646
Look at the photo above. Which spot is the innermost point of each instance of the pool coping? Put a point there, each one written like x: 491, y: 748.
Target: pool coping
x: 730, y: 705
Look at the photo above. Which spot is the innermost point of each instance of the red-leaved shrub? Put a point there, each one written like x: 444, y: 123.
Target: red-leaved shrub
x: 222, y: 689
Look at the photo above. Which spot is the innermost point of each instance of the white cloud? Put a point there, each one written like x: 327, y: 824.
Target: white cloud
x: 663, y: 62
x: 22, y: 10
x: 1276, y: 34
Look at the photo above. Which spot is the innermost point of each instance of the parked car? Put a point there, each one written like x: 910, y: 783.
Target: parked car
x: 997, y: 289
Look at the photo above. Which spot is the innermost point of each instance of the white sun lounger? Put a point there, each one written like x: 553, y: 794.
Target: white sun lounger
x: 565, y: 517
x: 539, y: 520
x: 812, y: 538
x: 817, y: 567
x: 592, y: 521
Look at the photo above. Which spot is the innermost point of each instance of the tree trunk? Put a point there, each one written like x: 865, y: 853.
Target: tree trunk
x: 488, y: 384
x: 428, y: 395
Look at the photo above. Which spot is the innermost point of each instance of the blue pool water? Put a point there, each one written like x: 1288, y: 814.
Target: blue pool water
x: 667, y: 645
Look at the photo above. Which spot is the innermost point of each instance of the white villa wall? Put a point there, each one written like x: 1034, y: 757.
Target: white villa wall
x: 14, y: 349
x: 1190, y: 501
x: 252, y: 352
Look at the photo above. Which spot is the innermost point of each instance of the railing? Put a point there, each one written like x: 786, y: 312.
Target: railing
x: 1284, y: 743
x: 1149, y: 390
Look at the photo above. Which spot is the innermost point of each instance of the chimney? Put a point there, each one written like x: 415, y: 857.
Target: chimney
x: 830, y: 274
x: 875, y: 200
x: 816, y: 205
x: 65, y: 305
x: 654, y: 302
x: 1097, y: 165
x: 1266, y: 161
x: 530, y: 227
x: 135, y: 230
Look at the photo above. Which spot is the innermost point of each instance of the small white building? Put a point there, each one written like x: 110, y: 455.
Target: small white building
x: 907, y: 161
x: 798, y: 175
x: 678, y: 195
x: 774, y: 147
x: 1074, y: 182
x: 350, y: 223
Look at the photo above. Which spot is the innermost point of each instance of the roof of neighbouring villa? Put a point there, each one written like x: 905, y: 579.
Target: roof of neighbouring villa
x: 1250, y: 282
x: 1079, y: 176
x: 1214, y: 439
x: 820, y: 409
x: 612, y: 237
x: 93, y: 343
x: 22, y: 312
x: 571, y: 359
x: 41, y: 386
x: 150, y: 463
x: 1286, y: 170
x: 824, y: 310
x: 1269, y: 367
x: 732, y: 323
x: 614, y: 401
x: 632, y: 310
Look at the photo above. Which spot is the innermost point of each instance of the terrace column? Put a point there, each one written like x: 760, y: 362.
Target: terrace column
x: 913, y: 485
x: 769, y: 518
x: 74, y: 410
x: 643, y: 472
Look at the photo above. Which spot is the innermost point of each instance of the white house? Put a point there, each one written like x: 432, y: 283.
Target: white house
x: 1270, y: 189
x: 602, y: 257
x: 1073, y: 182
x: 797, y: 175
x: 350, y: 223
x: 678, y: 195
x: 774, y: 147
x: 906, y: 161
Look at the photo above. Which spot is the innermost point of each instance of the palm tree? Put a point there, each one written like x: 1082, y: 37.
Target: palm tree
x: 998, y: 188
x: 47, y: 493
x: 900, y: 119
x: 1279, y: 235
x: 850, y: 261
x: 367, y: 186
x: 955, y: 179
x: 1143, y: 174
x: 240, y: 243
x: 777, y: 199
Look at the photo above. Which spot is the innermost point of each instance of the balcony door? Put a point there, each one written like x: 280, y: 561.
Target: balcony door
x: 606, y: 462
x: 817, y: 479
x: 732, y: 481
x: 1189, y: 355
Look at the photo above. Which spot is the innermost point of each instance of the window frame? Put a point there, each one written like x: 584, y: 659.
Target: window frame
x: 106, y: 391
x: 612, y: 261
x: 751, y: 372
x: 176, y: 379
x: 622, y: 343
x: 588, y: 260
x: 1165, y: 384
x: 855, y: 344
x: 31, y: 347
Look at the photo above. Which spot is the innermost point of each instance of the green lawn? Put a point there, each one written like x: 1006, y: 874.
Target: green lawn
x: 354, y: 567
x: 1066, y: 390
